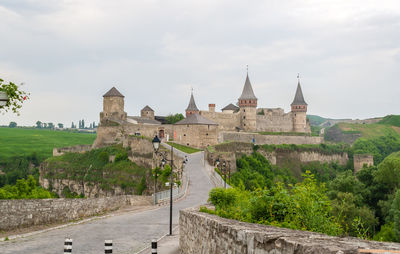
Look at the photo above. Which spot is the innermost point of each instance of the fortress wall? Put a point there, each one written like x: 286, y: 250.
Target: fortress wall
x: 199, y: 136
x: 29, y: 212
x: 362, y: 159
x: 107, y: 135
x: 269, y: 139
x: 206, y: 233
x: 226, y: 121
x: 71, y: 149
x: 275, y: 123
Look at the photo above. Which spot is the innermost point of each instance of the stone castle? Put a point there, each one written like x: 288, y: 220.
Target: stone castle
x: 202, y: 128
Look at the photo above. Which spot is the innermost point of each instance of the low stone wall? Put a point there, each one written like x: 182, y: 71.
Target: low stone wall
x: 205, y: 233
x: 28, y: 212
x: 71, y: 149
x: 269, y: 139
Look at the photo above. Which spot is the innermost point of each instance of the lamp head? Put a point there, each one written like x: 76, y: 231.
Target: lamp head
x: 156, y: 143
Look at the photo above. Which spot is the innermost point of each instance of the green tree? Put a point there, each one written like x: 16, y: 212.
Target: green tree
x: 171, y: 119
x: 50, y: 125
x: 39, y: 124
x: 12, y: 125
x: 395, y: 215
x: 60, y: 125
x: 15, y: 95
x: 389, y: 172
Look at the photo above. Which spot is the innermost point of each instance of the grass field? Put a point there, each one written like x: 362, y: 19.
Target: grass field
x: 185, y: 149
x: 20, y: 141
x: 369, y: 130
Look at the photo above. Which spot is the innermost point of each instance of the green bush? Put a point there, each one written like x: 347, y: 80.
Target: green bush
x: 25, y: 189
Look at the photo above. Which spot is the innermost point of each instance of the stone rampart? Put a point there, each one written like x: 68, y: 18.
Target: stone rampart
x: 275, y: 122
x: 209, y: 234
x: 71, y: 149
x: 269, y: 139
x: 29, y: 212
x: 362, y: 159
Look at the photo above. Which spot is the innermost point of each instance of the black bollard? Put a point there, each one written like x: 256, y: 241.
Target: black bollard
x: 108, y: 246
x: 68, y: 246
x: 154, y: 246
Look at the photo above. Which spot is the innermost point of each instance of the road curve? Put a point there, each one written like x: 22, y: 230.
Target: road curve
x: 130, y: 232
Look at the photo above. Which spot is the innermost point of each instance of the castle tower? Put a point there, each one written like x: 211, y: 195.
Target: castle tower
x: 147, y: 113
x: 299, y: 110
x: 113, y: 106
x: 192, y: 108
x: 248, y: 107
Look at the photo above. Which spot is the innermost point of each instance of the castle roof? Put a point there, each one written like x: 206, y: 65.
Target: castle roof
x: 142, y: 120
x: 113, y: 92
x: 298, y: 98
x: 231, y: 107
x: 247, y: 93
x: 147, y: 108
x: 197, y: 120
x: 192, y: 104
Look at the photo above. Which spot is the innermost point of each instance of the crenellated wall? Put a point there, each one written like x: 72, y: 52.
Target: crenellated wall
x: 210, y: 234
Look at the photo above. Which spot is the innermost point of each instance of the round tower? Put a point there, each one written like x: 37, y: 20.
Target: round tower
x: 113, y: 106
x: 248, y: 107
x: 299, y: 111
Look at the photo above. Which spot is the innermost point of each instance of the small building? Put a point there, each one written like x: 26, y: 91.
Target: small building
x: 196, y: 131
x: 147, y: 113
x: 230, y: 109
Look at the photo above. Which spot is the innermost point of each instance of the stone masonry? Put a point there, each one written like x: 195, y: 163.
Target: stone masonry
x: 28, y: 212
x: 209, y: 234
x: 362, y: 159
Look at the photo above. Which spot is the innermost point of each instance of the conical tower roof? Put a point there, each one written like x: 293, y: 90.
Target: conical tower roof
x: 113, y: 92
x: 247, y: 93
x: 298, y: 98
x: 192, y: 104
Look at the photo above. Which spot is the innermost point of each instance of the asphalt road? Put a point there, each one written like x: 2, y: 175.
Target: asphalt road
x: 130, y: 232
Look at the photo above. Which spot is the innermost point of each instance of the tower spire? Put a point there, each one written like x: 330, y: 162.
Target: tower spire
x: 192, y: 108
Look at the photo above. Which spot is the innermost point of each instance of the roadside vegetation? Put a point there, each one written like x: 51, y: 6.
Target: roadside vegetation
x: 185, y: 149
x: 327, y: 198
x: 25, y: 189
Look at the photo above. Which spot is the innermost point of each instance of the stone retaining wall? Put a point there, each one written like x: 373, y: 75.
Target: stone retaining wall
x: 205, y: 233
x: 268, y: 139
x: 28, y: 212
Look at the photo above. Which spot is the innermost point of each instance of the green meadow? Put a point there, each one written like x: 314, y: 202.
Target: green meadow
x: 25, y: 141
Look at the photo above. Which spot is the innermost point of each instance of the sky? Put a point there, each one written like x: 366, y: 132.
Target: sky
x: 68, y: 53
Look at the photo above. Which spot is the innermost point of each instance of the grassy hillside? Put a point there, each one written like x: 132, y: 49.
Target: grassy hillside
x: 20, y: 141
x: 393, y: 120
x: 369, y: 130
x: 315, y: 120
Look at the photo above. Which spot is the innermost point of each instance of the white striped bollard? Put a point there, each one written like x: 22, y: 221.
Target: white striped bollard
x: 154, y: 246
x: 68, y: 246
x: 108, y: 246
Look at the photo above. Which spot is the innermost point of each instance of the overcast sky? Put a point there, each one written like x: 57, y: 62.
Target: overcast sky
x: 68, y: 53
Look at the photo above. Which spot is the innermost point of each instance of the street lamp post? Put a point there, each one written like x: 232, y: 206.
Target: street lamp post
x: 156, y: 145
x: 224, y: 166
